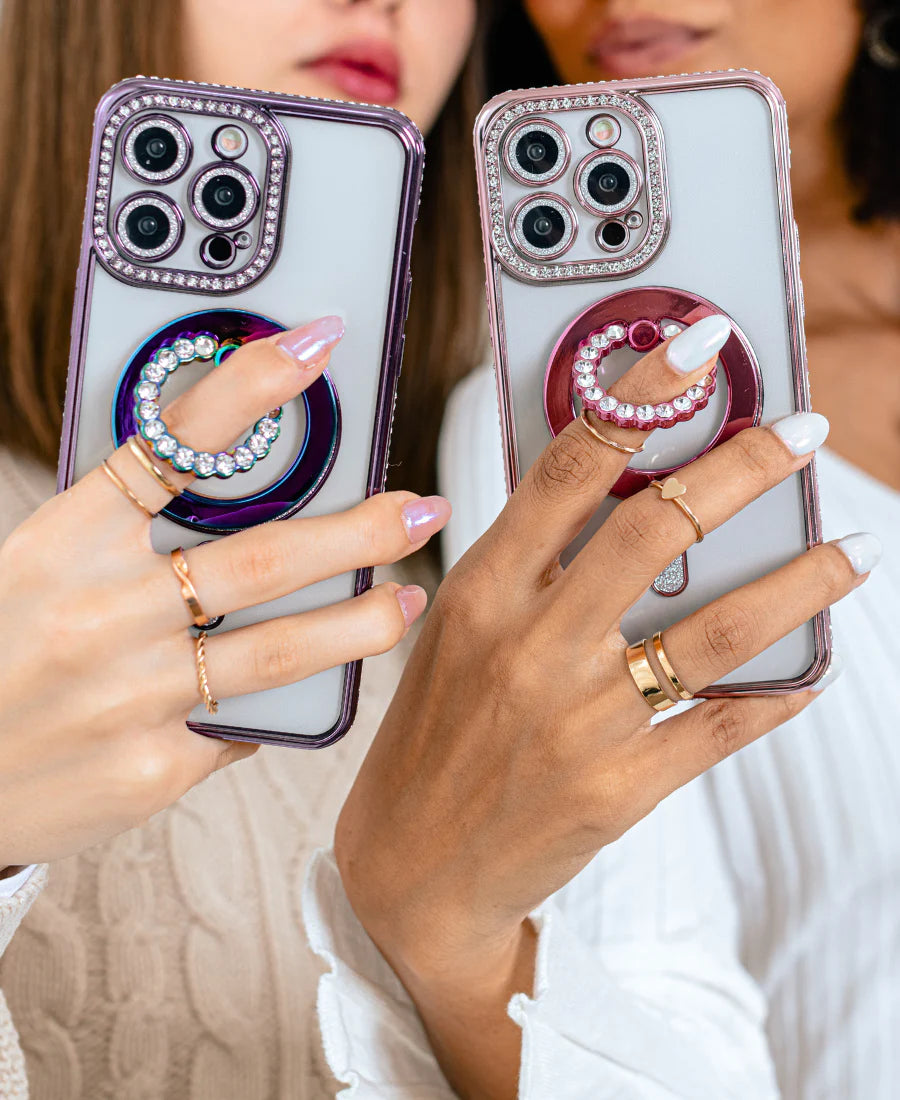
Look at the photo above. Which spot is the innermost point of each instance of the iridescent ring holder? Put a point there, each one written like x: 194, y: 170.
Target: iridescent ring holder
x: 212, y: 336
x: 723, y: 404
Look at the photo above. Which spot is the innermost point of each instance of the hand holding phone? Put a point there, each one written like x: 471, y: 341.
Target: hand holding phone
x: 217, y: 217
x: 104, y: 668
x: 614, y: 216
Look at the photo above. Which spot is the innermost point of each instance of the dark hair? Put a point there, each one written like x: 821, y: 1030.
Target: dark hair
x: 868, y: 119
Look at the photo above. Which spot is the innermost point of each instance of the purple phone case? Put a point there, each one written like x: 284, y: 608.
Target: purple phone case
x: 321, y: 110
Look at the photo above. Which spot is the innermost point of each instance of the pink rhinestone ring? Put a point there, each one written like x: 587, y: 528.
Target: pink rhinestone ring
x: 577, y: 367
x: 641, y: 335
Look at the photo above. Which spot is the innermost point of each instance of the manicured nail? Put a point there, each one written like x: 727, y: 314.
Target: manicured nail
x: 863, y: 551
x: 802, y: 432
x: 424, y: 518
x: 310, y: 343
x: 831, y: 674
x: 412, y: 600
x: 698, y: 344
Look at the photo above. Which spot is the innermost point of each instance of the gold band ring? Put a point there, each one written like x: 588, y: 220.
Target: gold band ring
x: 645, y: 678
x: 202, y: 679
x: 125, y: 491
x: 609, y: 442
x: 150, y: 466
x: 188, y: 592
x: 672, y: 489
x: 666, y: 666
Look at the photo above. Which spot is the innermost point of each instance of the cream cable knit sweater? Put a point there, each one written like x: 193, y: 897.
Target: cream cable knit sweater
x: 171, y: 962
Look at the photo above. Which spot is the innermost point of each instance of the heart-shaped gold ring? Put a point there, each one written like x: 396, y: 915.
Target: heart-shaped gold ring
x: 672, y: 489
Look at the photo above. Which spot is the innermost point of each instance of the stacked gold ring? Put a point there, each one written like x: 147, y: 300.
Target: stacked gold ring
x: 645, y: 678
x: 125, y: 491
x: 150, y: 466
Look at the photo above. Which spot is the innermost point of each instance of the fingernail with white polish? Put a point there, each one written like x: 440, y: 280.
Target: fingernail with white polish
x: 698, y: 344
x: 311, y: 342
x: 862, y: 550
x: 412, y: 600
x: 802, y: 432
x: 831, y: 674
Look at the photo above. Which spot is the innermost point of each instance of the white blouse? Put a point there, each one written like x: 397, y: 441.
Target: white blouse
x: 743, y: 940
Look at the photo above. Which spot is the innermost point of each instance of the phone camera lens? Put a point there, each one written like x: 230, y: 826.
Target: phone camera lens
x: 543, y: 227
x: 224, y: 196
x: 156, y: 149
x: 607, y: 183
x: 148, y: 227
x: 536, y: 152
x: 612, y: 236
x: 217, y: 251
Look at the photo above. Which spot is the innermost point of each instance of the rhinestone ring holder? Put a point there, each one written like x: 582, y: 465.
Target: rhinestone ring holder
x: 642, y: 335
x: 215, y: 334
x: 622, y: 320
x: 190, y: 348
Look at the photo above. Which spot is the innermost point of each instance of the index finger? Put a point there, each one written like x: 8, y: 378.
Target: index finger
x: 576, y: 471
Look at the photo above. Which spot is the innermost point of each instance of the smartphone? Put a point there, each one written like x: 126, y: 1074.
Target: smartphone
x: 641, y: 206
x: 235, y: 214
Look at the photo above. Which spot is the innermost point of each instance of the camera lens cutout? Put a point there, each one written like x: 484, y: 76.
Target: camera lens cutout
x: 536, y: 152
x: 607, y: 183
x: 543, y: 227
x: 612, y: 236
x: 224, y: 196
x: 148, y: 226
x: 156, y: 149
x: 217, y: 251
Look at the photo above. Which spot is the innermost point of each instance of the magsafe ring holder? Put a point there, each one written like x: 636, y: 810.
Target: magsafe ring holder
x: 317, y: 440
x: 740, y: 381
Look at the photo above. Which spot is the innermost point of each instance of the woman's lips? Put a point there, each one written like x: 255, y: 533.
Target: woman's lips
x: 643, y: 47
x: 369, y: 71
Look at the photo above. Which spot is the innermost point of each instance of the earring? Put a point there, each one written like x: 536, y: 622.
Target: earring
x: 880, y: 51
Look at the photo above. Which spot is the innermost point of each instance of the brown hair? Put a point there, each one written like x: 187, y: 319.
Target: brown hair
x: 56, y: 60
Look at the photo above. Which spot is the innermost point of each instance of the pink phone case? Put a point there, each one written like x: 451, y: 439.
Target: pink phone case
x: 697, y: 183
x: 330, y: 195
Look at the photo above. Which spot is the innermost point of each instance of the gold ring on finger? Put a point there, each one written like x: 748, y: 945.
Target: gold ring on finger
x: 202, y: 677
x: 666, y: 665
x: 672, y: 489
x: 188, y: 591
x: 645, y: 678
x: 150, y: 466
x: 605, y: 440
x: 125, y: 491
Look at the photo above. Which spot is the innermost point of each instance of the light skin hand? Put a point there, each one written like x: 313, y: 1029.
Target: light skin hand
x: 473, y: 806
x: 102, y: 677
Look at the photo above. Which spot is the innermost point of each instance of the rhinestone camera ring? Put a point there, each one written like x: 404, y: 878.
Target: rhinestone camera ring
x: 630, y: 309
x: 174, y: 130
x: 289, y: 493
x: 641, y: 336
x: 191, y: 348
x: 230, y: 171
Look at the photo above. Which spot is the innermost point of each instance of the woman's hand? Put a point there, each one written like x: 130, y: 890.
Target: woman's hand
x: 518, y: 744
x: 99, y: 674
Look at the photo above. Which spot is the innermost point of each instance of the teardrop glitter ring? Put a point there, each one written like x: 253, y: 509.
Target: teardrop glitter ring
x: 640, y: 335
x: 165, y: 361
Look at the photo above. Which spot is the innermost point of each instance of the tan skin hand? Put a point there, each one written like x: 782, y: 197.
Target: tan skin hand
x: 101, y: 677
x: 473, y: 806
